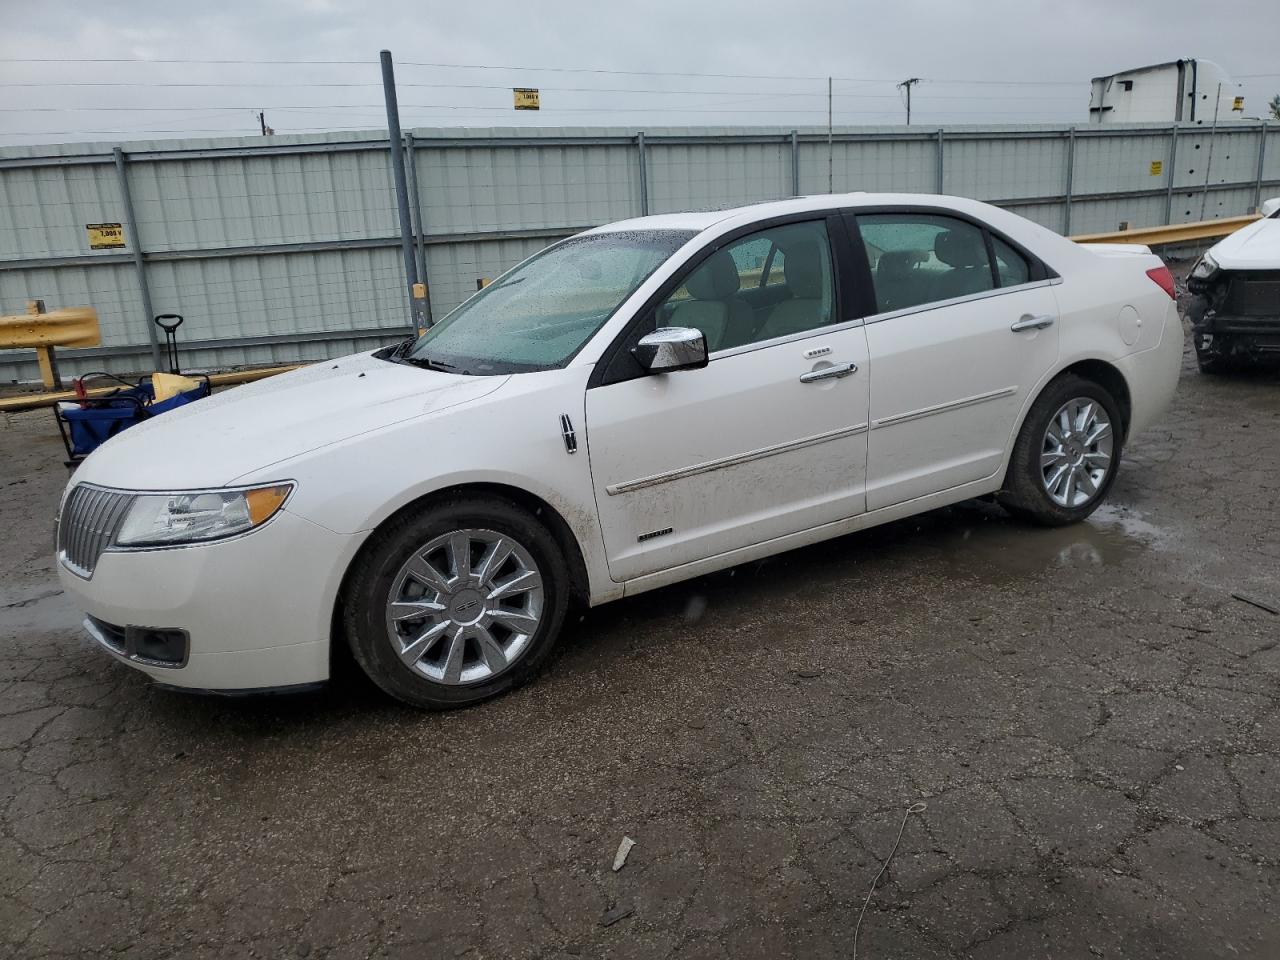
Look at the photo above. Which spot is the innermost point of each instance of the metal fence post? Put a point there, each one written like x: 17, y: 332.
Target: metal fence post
x: 396, y: 144
x: 644, y: 176
x: 139, y: 265
x: 795, y: 164
x: 1071, y: 173
x: 1173, y: 162
x: 938, y: 186
x: 419, y: 227
x: 1262, y: 159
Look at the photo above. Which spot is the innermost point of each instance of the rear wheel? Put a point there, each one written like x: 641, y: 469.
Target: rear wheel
x: 1066, y: 455
x: 457, y: 603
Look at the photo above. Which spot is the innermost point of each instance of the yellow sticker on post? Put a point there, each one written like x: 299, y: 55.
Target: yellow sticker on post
x: 104, y: 236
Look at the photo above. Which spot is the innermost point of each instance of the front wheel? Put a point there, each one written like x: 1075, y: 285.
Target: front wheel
x: 457, y: 603
x: 1066, y: 455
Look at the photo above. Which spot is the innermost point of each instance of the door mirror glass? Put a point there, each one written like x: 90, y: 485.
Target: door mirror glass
x: 671, y: 348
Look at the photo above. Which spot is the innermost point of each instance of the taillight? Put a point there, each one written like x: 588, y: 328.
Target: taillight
x: 1164, y: 280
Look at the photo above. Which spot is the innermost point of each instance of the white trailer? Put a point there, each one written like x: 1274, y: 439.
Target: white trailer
x: 1166, y: 92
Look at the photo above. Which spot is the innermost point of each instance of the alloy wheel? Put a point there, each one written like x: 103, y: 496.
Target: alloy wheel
x: 1076, y: 455
x: 465, y: 606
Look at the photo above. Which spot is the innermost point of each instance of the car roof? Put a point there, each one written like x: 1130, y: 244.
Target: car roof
x: 700, y: 221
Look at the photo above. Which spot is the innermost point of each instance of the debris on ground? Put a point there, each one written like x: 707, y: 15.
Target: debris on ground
x: 1255, y: 602
x: 620, y: 858
x: 617, y: 913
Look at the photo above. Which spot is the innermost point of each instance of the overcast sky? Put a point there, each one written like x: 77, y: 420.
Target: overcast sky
x: 980, y: 61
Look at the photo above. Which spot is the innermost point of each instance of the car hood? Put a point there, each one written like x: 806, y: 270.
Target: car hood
x: 1255, y: 247
x: 213, y: 441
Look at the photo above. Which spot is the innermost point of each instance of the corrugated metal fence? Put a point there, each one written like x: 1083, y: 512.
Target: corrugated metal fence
x: 286, y: 249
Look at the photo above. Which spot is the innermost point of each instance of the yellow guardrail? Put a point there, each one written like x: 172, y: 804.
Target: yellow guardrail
x: 1174, y: 233
x: 33, y: 401
x: 42, y: 331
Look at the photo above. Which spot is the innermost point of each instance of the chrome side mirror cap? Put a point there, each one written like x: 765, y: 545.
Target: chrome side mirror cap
x: 1269, y: 207
x: 671, y: 348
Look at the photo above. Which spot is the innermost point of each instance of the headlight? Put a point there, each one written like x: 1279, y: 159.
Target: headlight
x: 161, y: 519
x: 1205, y: 267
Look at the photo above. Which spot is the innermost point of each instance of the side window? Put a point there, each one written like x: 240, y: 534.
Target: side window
x: 750, y: 259
x: 1011, y: 266
x: 725, y: 296
x: 919, y: 258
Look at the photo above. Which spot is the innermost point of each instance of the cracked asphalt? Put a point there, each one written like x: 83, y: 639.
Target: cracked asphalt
x: 1089, y: 715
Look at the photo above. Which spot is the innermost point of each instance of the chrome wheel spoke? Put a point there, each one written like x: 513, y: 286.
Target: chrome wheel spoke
x: 1053, y: 458
x: 515, y: 619
x: 426, y: 574
x: 1085, y: 481
x: 456, y: 655
x: 455, y: 622
x: 414, y: 609
x: 415, y: 650
x: 522, y: 582
x: 491, y: 652
x: 494, y: 558
x: 460, y: 554
x: 1097, y: 460
x: 1099, y: 431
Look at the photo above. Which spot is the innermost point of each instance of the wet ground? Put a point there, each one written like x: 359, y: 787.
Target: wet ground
x: 1090, y: 718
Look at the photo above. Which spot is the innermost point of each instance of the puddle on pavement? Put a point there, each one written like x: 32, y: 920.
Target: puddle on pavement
x: 979, y: 541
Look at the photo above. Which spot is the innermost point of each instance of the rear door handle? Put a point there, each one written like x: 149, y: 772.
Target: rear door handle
x: 1032, y: 323
x: 829, y: 373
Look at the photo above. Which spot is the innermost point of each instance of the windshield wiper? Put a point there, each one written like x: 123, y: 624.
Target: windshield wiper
x: 428, y: 364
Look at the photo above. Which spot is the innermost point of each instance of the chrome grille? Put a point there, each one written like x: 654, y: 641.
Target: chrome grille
x: 89, y: 523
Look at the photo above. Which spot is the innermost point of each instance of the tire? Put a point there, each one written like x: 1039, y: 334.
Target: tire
x: 428, y: 651
x: 1026, y: 493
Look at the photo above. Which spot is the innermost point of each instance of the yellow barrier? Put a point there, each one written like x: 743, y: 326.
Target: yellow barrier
x: 68, y: 327
x: 1174, y: 233
x: 33, y: 401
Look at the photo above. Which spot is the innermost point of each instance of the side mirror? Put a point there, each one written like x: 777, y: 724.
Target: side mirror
x: 1269, y: 207
x: 671, y: 348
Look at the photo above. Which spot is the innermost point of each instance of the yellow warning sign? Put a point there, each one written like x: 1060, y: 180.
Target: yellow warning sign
x: 526, y: 98
x: 1237, y: 103
x: 1157, y: 167
x: 104, y: 236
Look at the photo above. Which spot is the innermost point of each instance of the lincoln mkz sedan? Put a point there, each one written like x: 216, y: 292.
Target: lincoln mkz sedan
x: 642, y: 403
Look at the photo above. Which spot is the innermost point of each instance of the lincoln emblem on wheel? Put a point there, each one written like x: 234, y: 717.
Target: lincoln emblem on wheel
x: 642, y: 403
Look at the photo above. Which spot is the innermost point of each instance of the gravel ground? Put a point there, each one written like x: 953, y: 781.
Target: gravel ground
x: 1090, y: 718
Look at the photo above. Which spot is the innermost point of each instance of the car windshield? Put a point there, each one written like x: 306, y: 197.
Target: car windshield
x: 538, y: 315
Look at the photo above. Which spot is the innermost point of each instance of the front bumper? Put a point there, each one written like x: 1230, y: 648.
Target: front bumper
x: 256, y: 609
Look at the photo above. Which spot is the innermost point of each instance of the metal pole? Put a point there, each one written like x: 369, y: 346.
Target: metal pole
x: 830, y: 168
x: 644, y: 176
x: 1213, y: 133
x: 1262, y: 157
x: 938, y: 185
x: 131, y: 222
x: 419, y: 227
x: 1071, y: 171
x: 396, y: 141
x: 1173, y: 160
x: 795, y: 164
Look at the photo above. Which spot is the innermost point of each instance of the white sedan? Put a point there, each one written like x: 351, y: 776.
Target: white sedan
x: 643, y: 403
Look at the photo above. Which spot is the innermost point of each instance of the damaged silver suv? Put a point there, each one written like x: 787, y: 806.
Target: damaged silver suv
x: 1235, y: 309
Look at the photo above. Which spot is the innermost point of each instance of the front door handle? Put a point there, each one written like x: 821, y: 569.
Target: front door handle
x: 1032, y: 323
x: 829, y: 373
